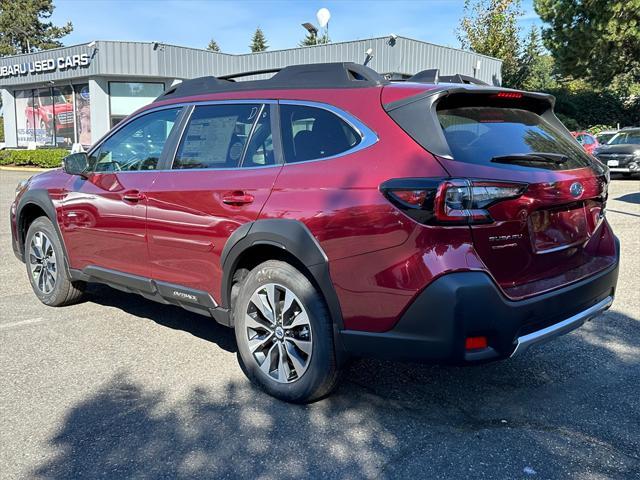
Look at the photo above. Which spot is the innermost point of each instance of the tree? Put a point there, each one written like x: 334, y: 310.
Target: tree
x: 490, y: 27
x: 24, y: 27
x: 213, y: 46
x: 596, y: 40
x: 542, y: 76
x: 529, y: 57
x: 536, y: 70
x: 258, y: 42
x: 313, y: 39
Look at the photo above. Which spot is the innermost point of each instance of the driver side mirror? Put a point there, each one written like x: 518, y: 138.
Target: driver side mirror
x: 76, y: 164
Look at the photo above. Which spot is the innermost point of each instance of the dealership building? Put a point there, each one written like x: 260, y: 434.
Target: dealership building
x: 74, y: 95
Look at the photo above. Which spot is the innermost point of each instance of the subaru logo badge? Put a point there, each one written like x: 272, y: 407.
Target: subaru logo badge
x: 576, y: 189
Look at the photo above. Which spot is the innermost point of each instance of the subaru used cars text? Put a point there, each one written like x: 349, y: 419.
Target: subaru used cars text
x: 327, y: 212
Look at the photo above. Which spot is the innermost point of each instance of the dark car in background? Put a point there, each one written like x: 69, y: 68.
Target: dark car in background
x: 622, y: 153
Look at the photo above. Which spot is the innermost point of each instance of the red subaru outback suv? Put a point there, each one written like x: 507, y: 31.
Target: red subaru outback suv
x: 326, y: 212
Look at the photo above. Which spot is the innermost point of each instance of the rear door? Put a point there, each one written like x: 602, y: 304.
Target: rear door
x: 543, y: 233
x: 220, y: 177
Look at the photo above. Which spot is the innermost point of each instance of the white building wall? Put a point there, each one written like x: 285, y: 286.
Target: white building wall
x: 99, y: 104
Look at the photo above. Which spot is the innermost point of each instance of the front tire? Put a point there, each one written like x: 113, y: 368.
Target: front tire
x: 284, y: 334
x: 44, y: 259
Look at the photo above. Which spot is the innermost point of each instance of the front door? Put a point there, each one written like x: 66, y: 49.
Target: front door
x: 104, y: 215
x: 221, y: 177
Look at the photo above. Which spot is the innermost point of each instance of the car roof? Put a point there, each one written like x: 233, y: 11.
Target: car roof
x: 341, y: 75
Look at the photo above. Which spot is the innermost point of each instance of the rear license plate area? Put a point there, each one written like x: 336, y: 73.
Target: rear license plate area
x: 558, y: 228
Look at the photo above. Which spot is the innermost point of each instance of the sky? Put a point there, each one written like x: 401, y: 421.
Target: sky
x: 192, y: 23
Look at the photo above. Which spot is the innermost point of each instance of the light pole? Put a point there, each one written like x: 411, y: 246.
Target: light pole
x: 313, y: 31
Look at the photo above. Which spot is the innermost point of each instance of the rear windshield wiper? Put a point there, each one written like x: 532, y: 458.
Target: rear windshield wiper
x: 533, y: 157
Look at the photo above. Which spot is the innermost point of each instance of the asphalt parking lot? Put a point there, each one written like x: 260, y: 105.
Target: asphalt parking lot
x: 121, y: 387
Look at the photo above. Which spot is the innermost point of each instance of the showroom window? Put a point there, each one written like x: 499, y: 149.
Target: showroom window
x: 127, y: 97
x: 53, y: 116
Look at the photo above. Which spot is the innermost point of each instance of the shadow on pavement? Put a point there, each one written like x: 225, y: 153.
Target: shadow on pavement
x: 568, y: 409
x: 167, y: 315
x: 630, y: 198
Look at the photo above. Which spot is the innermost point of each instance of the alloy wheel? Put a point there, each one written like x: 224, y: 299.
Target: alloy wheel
x: 278, y: 333
x: 42, y: 262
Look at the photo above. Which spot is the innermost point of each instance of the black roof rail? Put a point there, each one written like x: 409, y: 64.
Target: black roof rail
x: 313, y: 75
x: 248, y: 74
x: 433, y: 76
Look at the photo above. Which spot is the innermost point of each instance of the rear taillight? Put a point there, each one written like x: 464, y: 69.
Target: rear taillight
x: 449, y: 201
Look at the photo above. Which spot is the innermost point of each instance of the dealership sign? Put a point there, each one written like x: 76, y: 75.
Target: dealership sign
x: 46, y: 66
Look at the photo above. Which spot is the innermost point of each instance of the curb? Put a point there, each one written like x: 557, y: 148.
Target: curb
x: 24, y: 169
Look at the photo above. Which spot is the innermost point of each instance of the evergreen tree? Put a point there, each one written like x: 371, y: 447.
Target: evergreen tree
x: 24, y: 27
x: 213, y: 46
x: 313, y: 39
x: 595, y: 40
x: 259, y: 41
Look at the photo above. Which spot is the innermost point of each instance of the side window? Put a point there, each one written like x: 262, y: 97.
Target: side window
x: 216, y: 136
x: 587, y: 140
x: 136, y: 146
x: 310, y: 133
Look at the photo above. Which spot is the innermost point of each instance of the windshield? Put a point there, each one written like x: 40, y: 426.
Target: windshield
x: 626, y: 138
x: 48, y: 99
x: 479, y: 134
x: 605, y: 137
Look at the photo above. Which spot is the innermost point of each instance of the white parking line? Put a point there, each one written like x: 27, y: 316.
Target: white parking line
x: 22, y: 322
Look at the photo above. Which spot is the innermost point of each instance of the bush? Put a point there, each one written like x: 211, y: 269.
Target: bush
x: 44, y: 158
x: 1, y: 129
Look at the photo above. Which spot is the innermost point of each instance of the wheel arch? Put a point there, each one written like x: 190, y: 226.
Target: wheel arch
x: 34, y: 204
x: 279, y: 239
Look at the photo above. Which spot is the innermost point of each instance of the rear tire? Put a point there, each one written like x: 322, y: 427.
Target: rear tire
x: 44, y: 259
x: 284, y: 334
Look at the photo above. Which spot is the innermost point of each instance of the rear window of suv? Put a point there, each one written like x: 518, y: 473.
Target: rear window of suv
x: 478, y: 134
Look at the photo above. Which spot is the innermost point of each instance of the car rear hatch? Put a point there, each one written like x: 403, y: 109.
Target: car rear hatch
x: 532, y: 197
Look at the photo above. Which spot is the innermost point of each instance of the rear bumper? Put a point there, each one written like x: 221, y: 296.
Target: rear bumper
x: 541, y: 336
x: 467, y: 304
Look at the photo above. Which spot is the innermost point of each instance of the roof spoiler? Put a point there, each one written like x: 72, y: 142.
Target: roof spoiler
x: 433, y: 76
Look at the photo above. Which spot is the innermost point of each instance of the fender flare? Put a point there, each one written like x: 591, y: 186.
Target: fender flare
x: 41, y: 199
x: 295, y: 238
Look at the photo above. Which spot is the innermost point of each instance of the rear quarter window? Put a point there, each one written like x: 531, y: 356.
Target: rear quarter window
x: 310, y: 133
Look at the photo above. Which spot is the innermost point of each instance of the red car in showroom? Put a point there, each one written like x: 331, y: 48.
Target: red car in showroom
x: 43, y: 111
x: 327, y: 212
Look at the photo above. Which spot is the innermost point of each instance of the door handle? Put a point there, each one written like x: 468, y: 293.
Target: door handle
x: 133, y: 196
x: 237, y: 198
